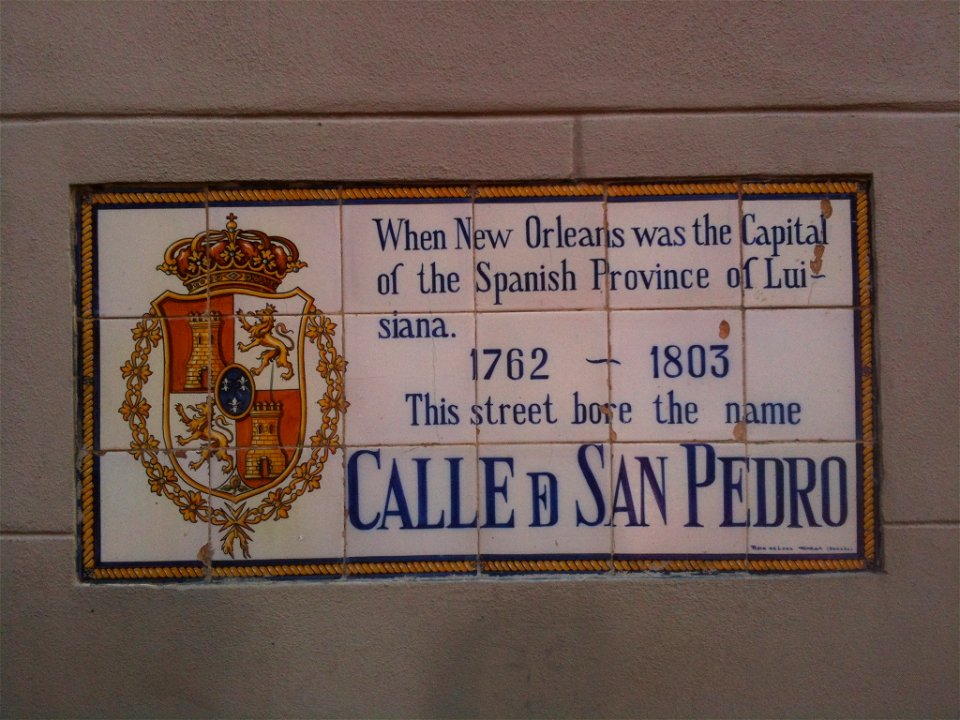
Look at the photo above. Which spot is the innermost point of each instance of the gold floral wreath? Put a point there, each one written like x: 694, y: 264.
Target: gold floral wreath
x: 237, y: 523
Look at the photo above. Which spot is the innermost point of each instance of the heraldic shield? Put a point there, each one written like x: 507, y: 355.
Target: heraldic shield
x: 235, y: 381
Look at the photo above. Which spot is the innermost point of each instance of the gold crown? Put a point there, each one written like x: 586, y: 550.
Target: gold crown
x: 246, y: 258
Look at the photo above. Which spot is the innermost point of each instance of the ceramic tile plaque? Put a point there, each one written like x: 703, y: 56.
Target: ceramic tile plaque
x: 349, y: 382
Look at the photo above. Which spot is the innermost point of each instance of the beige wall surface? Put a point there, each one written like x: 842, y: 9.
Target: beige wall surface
x: 168, y: 92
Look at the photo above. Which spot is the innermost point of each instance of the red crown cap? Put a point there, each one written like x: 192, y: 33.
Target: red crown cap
x: 246, y: 258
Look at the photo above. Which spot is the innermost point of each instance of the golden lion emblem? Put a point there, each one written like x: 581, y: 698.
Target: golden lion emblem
x: 261, y: 332
x: 202, y: 425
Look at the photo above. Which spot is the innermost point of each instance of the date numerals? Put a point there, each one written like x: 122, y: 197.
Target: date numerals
x: 515, y: 363
x: 696, y: 361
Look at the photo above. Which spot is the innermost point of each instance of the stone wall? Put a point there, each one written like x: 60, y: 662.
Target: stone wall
x: 178, y: 92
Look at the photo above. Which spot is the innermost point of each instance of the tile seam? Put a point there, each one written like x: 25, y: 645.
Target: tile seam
x: 346, y: 383
x: 611, y: 436
x: 208, y: 552
x: 933, y: 107
x: 576, y: 160
x: 70, y: 535
x: 743, y: 366
x: 478, y: 567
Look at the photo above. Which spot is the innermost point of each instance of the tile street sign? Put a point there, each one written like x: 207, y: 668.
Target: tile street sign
x: 355, y: 381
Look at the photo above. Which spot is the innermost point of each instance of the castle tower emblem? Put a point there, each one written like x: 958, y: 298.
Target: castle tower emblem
x: 265, y: 460
x: 205, y: 360
x: 235, y: 382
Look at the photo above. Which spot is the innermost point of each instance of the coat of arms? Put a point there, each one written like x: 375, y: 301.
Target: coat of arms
x: 230, y: 447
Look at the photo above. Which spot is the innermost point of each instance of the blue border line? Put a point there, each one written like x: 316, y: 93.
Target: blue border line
x: 671, y: 198
x: 150, y: 563
x: 773, y: 197
x: 689, y: 557
x: 854, y: 249
x: 861, y: 510
x: 147, y: 206
x: 95, y: 263
x: 271, y: 203
x: 407, y: 201
x: 279, y: 563
x: 548, y: 556
x: 805, y: 556
x: 410, y: 558
x: 858, y: 373
x: 95, y: 381
x: 533, y: 199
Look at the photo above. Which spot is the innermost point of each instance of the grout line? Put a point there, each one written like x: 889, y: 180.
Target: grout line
x: 71, y: 535
x: 207, y: 555
x: 599, y: 308
x: 496, y: 443
x: 576, y: 441
x: 743, y: 366
x: 918, y: 108
x: 344, y: 417
x: 611, y: 436
x: 577, y: 159
x: 475, y: 371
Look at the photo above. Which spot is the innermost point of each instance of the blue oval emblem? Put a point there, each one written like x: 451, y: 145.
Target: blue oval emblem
x: 234, y: 392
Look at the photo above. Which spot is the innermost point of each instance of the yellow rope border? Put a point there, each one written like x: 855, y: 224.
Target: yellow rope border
x: 86, y: 260
x: 167, y: 572
x: 509, y: 566
x: 276, y: 570
x: 868, y: 410
x: 400, y: 192
x: 147, y: 198
x: 800, y: 188
x: 412, y: 567
x: 679, y: 565
x: 535, y: 191
x: 649, y: 189
x: 86, y: 380
x: 760, y: 565
x: 242, y: 195
x: 146, y: 573
x: 86, y: 510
